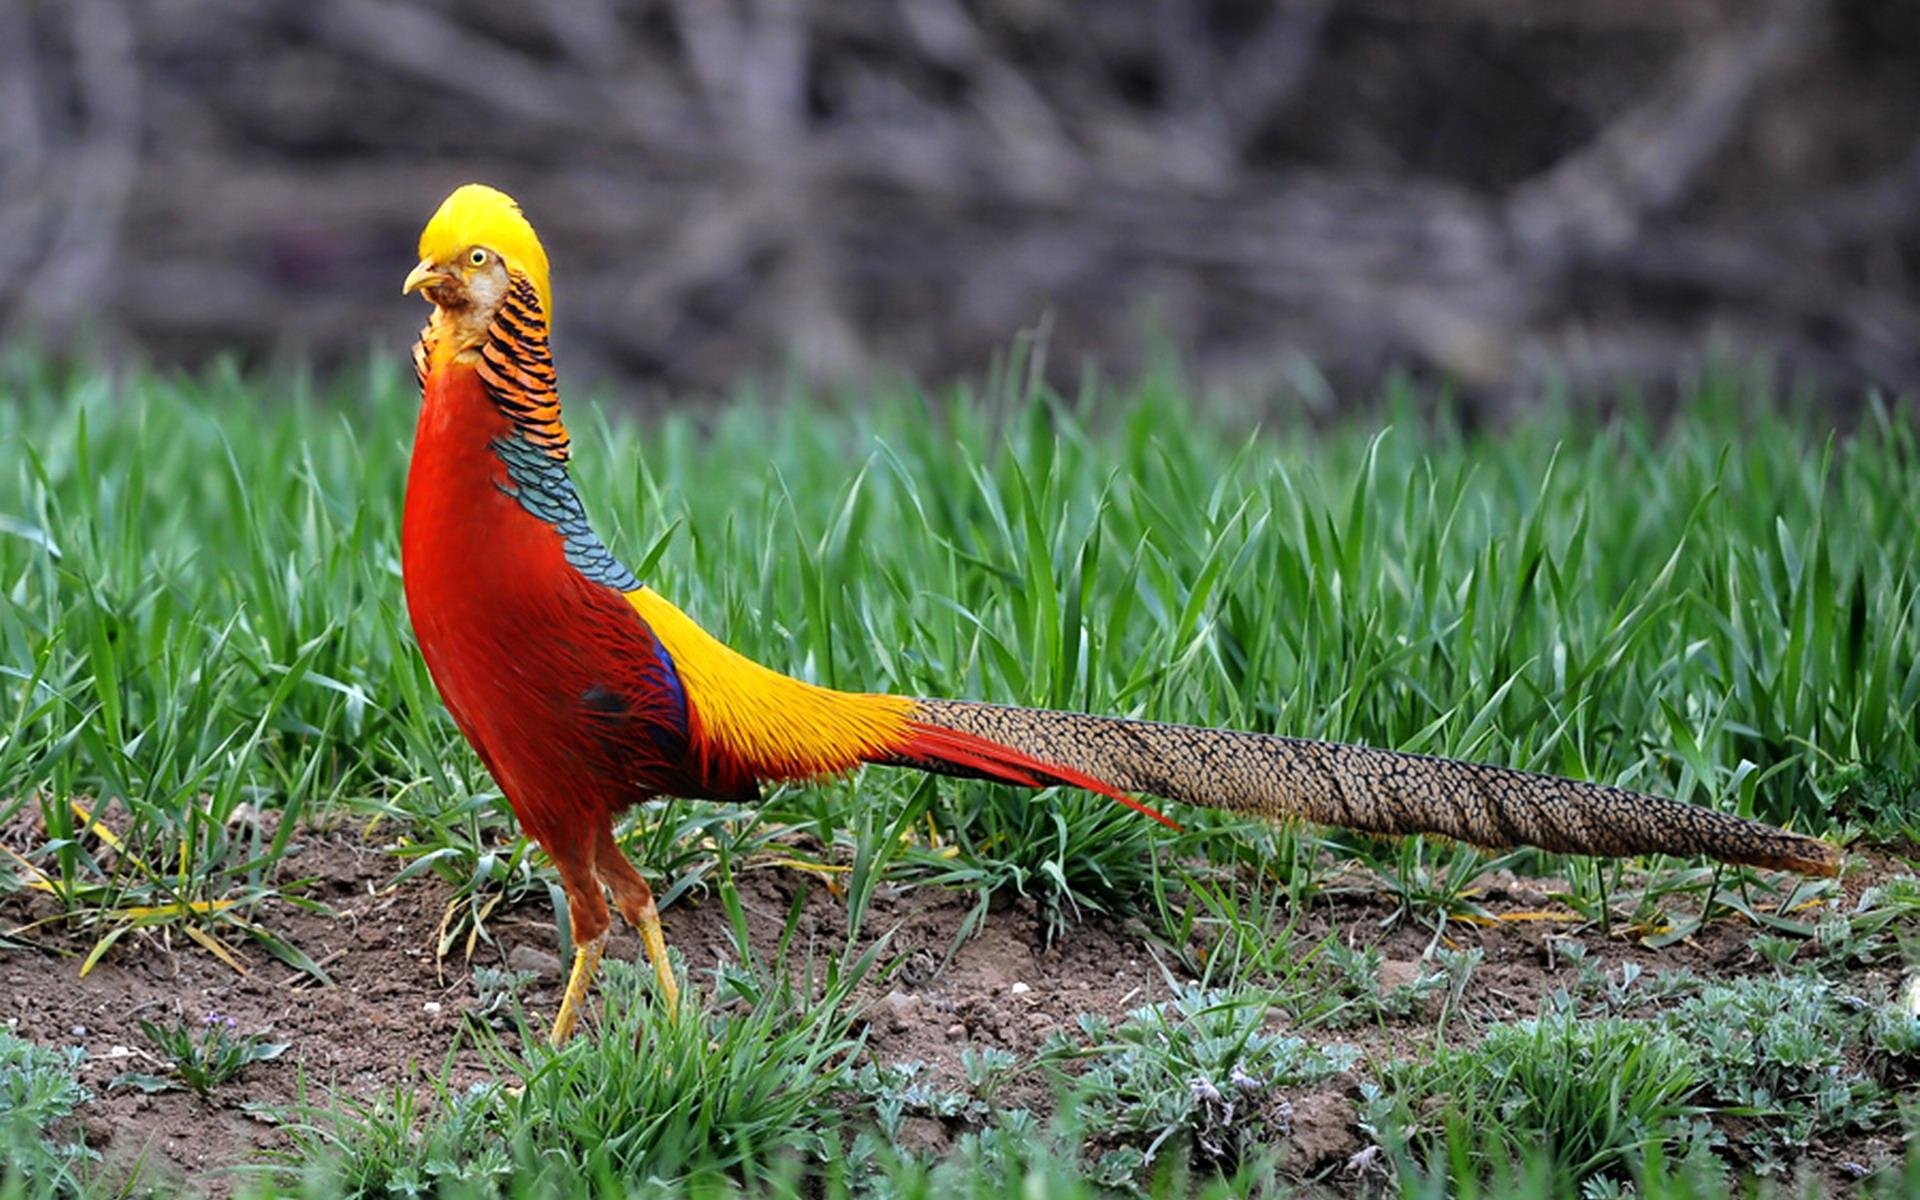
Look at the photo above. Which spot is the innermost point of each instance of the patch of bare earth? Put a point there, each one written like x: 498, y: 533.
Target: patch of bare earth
x: 395, y: 1012
x: 392, y: 1009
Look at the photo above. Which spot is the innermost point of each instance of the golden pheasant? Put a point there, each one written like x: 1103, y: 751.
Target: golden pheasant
x: 585, y: 692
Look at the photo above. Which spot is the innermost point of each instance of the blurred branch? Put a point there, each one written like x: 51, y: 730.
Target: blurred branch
x: 446, y: 56
x: 24, y: 195
x: 1496, y: 190
x: 1650, y: 158
x: 73, y: 274
x: 1263, y: 74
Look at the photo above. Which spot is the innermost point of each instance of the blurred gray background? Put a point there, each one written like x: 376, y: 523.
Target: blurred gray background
x: 1290, y: 195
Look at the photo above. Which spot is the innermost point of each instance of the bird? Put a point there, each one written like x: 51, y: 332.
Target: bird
x: 584, y: 691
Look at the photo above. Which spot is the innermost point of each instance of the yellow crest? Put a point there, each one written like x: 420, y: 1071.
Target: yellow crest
x: 477, y: 215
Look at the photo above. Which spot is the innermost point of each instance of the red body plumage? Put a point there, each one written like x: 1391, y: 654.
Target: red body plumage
x: 553, y: 677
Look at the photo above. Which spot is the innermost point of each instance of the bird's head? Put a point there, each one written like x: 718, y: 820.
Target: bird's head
x: 470, y: 253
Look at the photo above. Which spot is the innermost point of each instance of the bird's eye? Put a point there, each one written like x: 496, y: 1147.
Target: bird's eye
x: 478, y: 257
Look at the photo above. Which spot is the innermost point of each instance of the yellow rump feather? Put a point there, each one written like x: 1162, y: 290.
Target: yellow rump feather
x: 780, y: 727
x: 477, y: 215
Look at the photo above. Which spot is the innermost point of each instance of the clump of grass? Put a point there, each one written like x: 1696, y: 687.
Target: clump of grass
x: 200, y: 1056
x: 1588, y: 1096
x: 1234, y: 915
x: 1071, y: 853
x: 644, y: 1097
x: 39, y: 1089
x: 405, y: 1144
x: 1880, y: 799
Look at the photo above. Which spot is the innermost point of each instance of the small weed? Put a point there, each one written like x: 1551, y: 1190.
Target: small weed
x: 1200, y: 1065
x: 987, y: 1068
x: 1785, y: 1055
x: 1894, y: 1042
x: 899, y: 1090
x: 39, y: 1088
x: 1884, y: 926
x: 1619, y: 993
x: 497, y: 990
x: 1340, y: 986
x: 201, y: 1057
x: 1775, y: 949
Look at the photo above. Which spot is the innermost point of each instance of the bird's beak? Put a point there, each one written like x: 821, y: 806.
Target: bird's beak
x: 427, y: 273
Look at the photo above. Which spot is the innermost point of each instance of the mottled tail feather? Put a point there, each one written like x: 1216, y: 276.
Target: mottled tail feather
x: 1351, y: 787
x: 947, y: 751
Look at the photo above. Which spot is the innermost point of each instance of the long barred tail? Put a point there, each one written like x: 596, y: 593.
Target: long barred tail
x: 1352, y: 787
x: 947, y: 750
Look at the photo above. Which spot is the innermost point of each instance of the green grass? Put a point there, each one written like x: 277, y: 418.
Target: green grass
x: 1594, y: 1096
x: 203, y: 645
x: 701, y: 1097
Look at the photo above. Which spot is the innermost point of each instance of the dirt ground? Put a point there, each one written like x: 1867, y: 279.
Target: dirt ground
x: 395, y: 1010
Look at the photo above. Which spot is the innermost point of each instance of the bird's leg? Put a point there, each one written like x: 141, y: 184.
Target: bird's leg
x: 635, y: 900
x: 586, y: 961
x: 587, y: 911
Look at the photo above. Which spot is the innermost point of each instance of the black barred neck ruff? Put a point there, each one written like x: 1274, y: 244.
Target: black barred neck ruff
x: 517, y: 368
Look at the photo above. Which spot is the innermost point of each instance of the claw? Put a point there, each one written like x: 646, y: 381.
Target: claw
x: 586, y: 960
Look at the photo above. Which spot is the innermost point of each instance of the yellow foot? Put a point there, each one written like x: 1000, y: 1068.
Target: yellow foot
x: 655, y: 940
x: 586, y: 960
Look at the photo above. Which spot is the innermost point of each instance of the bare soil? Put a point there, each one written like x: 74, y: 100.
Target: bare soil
x: 395, y: 1010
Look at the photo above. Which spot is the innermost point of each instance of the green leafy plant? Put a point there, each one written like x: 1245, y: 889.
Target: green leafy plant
x: 39, y: 1089
x: 900, y: 1090
x: 1883, y: 800
x: 201, y: 1056
x: 1202, y: 1065
x: 497, y: 991
x: 1785, y: 1056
